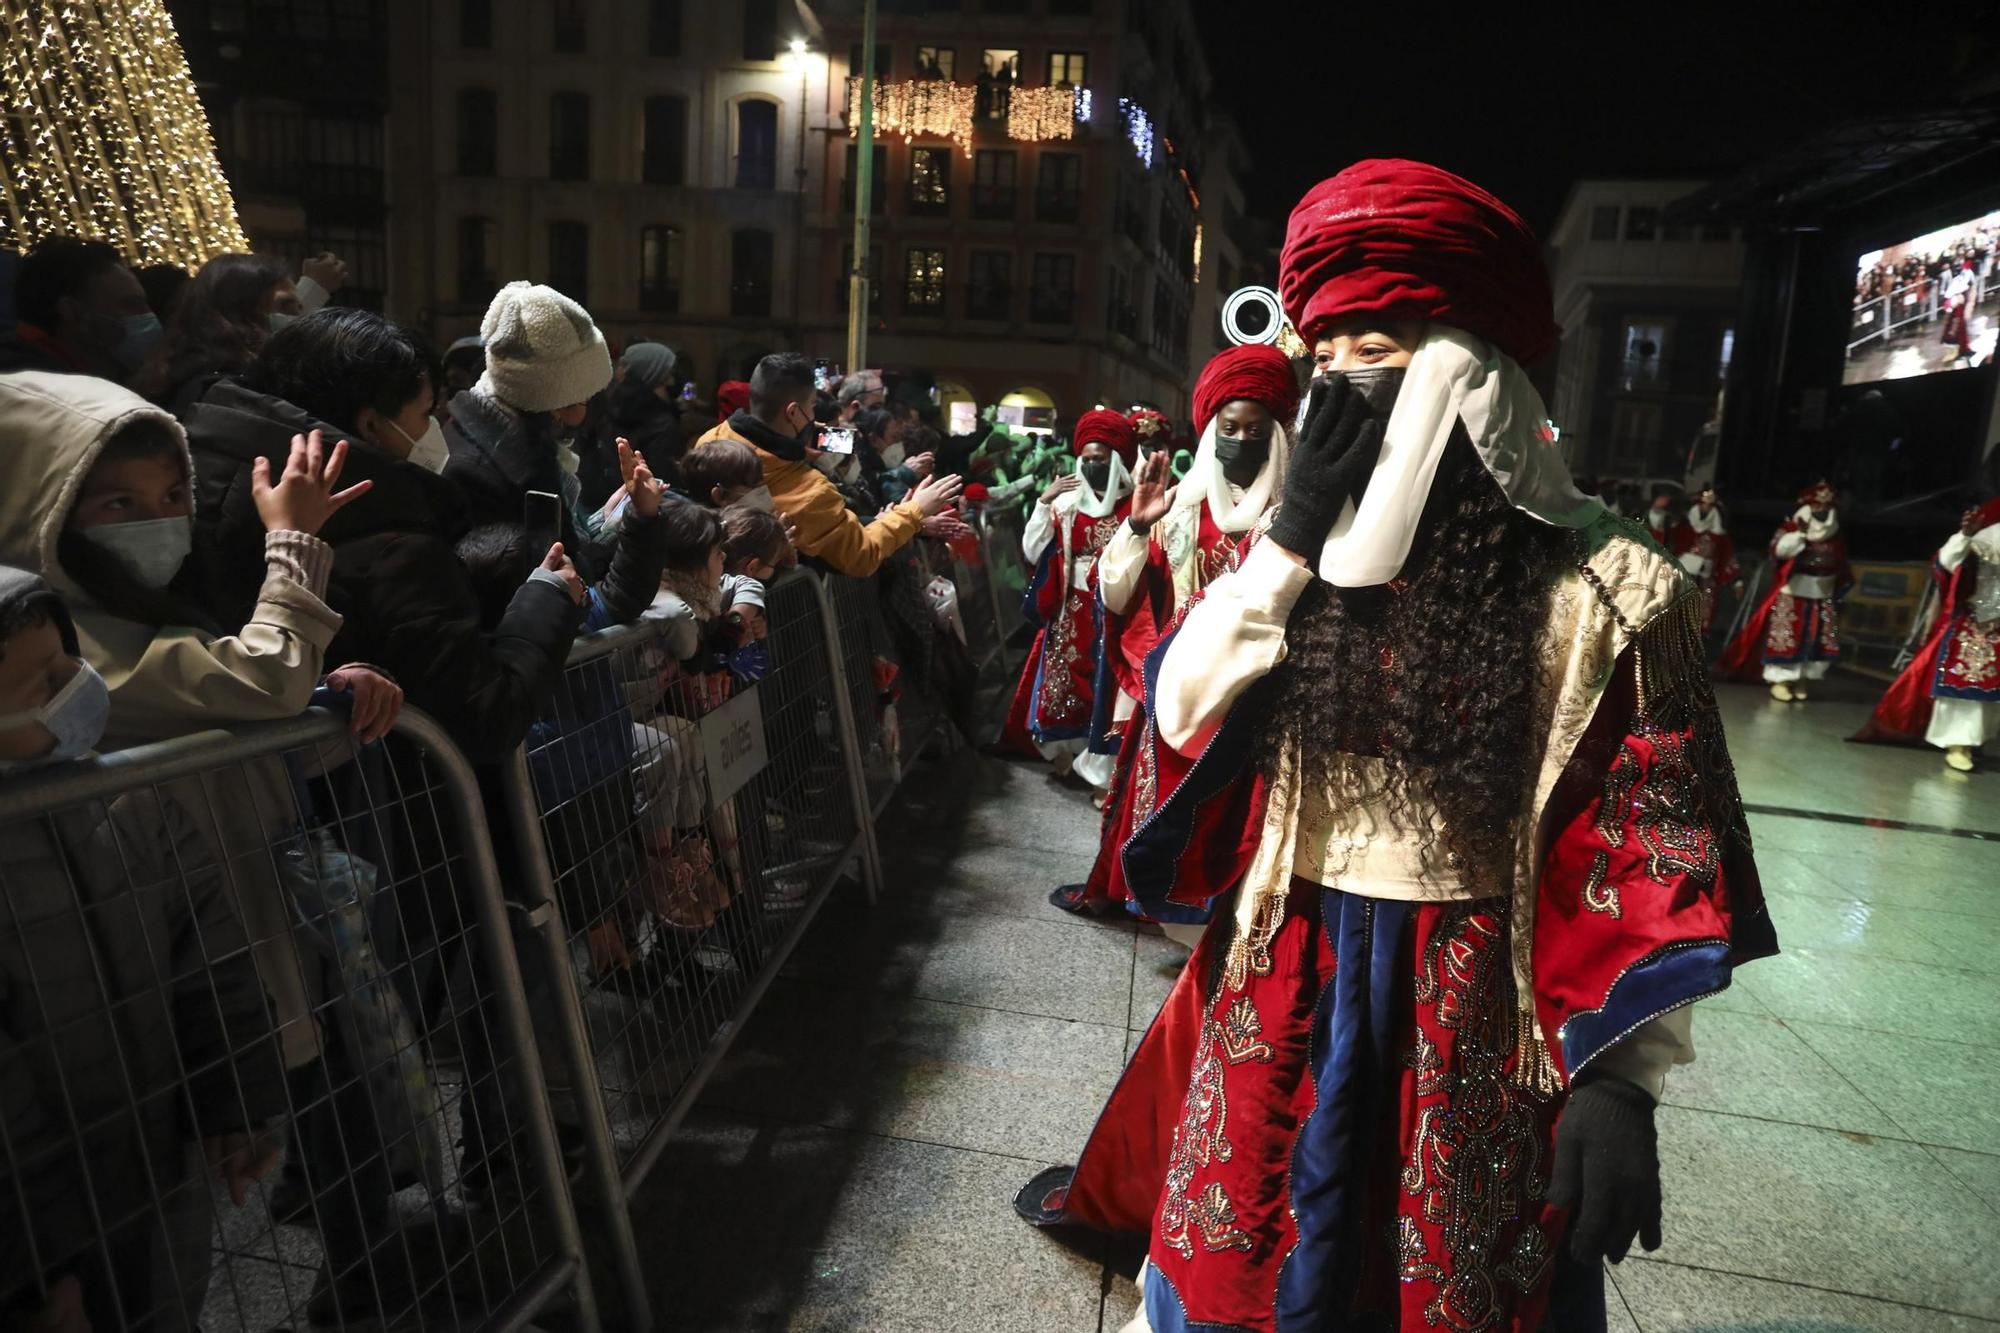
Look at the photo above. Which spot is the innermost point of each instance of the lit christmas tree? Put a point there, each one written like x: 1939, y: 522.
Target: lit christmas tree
x: 102, y: 134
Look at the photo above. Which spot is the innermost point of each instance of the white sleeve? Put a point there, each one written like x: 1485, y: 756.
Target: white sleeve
x: 1120, y: 566
x: 1644, y: 1056
x: 1788, y: 545
x: 1952, y: 554
x: 1038, y: 532
x: 311, y: 295
x: 1231, y: 638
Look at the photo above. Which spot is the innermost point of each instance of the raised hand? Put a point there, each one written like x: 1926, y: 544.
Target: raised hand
x: 644, y: 489
x: 934, y: 495
x: 1152, y: 492
x: 558, y: 563
x: 303, y: 498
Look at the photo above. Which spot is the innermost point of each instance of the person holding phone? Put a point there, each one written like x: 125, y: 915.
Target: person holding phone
x: 778, y: 424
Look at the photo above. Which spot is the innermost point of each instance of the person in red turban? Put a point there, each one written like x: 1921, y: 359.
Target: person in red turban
x: 1173, y: 543
x: 1408, y: 1077
x: 731, y: 397
x: 1057, y: 701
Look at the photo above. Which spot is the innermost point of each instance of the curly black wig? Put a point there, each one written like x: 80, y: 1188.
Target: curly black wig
x: 1433, y: 673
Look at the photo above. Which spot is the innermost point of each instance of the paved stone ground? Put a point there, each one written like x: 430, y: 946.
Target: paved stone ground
x: 1832, y: 1160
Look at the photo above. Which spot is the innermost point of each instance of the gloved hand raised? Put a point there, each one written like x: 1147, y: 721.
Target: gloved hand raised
x: 1337, y: 449
x: 1607, y: 1170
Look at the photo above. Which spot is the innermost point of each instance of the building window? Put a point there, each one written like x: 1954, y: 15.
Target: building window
x: 993, y: 184
x: 1604, y: 222
x: 568, y: 26
x: 664, y: 158
x: 1052, y: 294
x: 475, y: 24
x: 756, y: 145
x: 936, y: 62
x: 878, y: 181
x: 663, y: 28
x: 1067, y: 67
x: 923, y: 282
x: 881, y: 60
x: 760, y: 30
x: 569, y: 260
x: 874, y: 275
x: 930, y: 182
x: 343, y: 157
x: 478, y: 260
x: 750, y: 255
x: 478, y: 132
x: 1170, y: 321
x: 1641, y: 224
x: 1059, y: 188
x: 660, y: 269
x: 991, y: 292
x: 1121, y: 313
x: 1644, y: 354
x: 569, y: 137
x: 999, y: 71
x: 366, y: 250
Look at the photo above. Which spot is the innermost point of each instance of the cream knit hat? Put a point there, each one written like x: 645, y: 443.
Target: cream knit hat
x: 542, y: 351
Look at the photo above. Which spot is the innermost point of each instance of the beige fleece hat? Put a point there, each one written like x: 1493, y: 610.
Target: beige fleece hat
x: 542, y: 350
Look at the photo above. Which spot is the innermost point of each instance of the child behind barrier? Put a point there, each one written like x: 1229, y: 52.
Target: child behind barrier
x: 135, y: 1038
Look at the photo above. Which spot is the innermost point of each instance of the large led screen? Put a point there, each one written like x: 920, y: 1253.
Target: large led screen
x: 1927, y: 304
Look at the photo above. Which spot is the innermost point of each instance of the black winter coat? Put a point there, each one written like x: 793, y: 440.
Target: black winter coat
x: 411, y: 607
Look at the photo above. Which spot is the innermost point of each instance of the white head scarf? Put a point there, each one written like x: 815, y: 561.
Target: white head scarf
x: 1205, y: 480
x: 1452, y: 377
x: 1815, y: 529
x: 1087, y: 501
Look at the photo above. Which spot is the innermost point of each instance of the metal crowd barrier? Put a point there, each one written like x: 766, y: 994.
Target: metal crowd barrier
x: 256, y: 945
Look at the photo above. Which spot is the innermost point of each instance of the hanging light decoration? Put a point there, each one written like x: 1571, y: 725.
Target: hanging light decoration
x: 1035, y: 115
x: 1083, y: 106
x: 1138, y: 129
x: 927, y: 108
x: 103, y: 135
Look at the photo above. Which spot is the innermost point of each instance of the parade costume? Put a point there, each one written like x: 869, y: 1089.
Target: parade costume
x: 1794, y: 636
x: 1703, y: 546
x: 1061, y: 685
x: 1145, y: 579
x: 1949, y: 694
x: 1386, y: 1073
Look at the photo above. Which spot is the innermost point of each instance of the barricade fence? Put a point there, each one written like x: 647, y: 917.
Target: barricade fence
x: 297, y: 1034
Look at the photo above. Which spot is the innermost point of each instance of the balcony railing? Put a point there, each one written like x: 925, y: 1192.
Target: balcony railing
x: 931, y: 203
x: 878, y: 195
x: 994, y: 203
x: 1123, y: 317
x: 923, y: 302
x: 1052, y: 305
x: 990, y: 301
x: 1058, y: 205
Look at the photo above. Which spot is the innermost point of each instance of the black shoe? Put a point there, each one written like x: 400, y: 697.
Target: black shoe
x: 1071, y: 898
x: 1042, y: 1200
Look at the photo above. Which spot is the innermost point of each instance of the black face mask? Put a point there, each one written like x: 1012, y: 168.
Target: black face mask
x: 1378, y: 387
x: 1097, y: 476
x: 1241, y: 459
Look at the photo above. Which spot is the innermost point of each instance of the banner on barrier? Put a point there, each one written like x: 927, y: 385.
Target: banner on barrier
x: 732, y: 741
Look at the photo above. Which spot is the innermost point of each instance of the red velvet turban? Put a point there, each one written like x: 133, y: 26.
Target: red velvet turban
x: 1404, y: 240
x: 731, y: 396
x: 1256, y: 371
x: 1108, y: 428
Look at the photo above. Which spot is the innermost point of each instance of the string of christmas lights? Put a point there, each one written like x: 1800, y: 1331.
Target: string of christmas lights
x: 103, y: 136
x: 1036, y: 115
x: 932, y: 108
x: 1138, y: 129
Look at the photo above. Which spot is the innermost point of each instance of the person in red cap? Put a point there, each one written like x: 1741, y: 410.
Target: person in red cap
x: 1703, y: 546
x: 1441, y: 764
x: 1063, y: 681
x: 1151, y: 431
x: 1175, y: 541
x: 1794, y: 635
x: 1949, y: 694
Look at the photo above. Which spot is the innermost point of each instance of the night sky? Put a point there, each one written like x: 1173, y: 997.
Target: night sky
x: 1527, y: 100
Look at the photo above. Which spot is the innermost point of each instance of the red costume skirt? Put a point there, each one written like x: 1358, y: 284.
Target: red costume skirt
x: 1340, y: 1137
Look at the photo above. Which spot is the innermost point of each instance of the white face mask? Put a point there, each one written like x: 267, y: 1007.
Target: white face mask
x: 428, y: 452
x: 893, y: 456
x: 76, y: 717
x: 152, y: 550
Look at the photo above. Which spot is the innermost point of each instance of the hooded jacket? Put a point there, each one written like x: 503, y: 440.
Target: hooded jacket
x: 827, y: 531
x: 165, y: 680
x: 410, y: 605
x: 121, y: 959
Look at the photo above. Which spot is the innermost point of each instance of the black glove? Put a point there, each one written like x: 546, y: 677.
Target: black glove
x: 1607, y: 1170
x: 1337, y: 450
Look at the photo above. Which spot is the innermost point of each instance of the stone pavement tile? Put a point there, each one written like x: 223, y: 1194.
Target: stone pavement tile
x: 1878, y: 993
x: 1939, y: 1092
x: 910, y: 1068
x: 1055, y: 968
x: 1666, y: 1298
x: 1962, y: 940
x: 1877, y: 930
x: 1121, y: 1300
x: 1750, y: 1065
x: 257, y: 1294
x: 1617, y: 1315
x: 759, y: 1226
x: 1157, y: 963
x: 1977, y: 1171
x: 1000, y: 879
x: 1823, y: 1208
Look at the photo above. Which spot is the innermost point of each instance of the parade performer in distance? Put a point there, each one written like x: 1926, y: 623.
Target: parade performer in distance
x: 1070, y: 525
x: 1702, y: 544
x: 1441, y: 762
x: 1151, y: 431
x: 1174, y: 542
x: 1959, y: 291
x: 1660, y: 519
x: 1949, y: 694
x: 1794, y: 637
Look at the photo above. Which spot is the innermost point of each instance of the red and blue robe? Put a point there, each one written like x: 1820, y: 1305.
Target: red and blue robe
x: 1057, y: 695
x: 1960, y: 658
